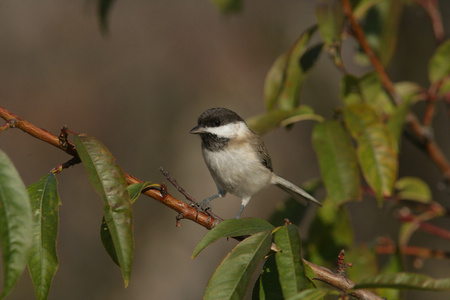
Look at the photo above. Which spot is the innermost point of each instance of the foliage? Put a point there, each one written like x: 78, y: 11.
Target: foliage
x: 358, y: 154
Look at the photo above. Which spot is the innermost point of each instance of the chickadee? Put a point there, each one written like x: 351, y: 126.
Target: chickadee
x: 238, y: 159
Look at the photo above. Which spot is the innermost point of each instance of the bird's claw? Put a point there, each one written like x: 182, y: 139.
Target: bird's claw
x: 202, y: 206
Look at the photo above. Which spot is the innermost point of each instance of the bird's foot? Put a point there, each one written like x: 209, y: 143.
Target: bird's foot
x: 204, y: 205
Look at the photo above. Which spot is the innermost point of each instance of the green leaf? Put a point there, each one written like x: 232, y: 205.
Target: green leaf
x: 313, y: 294
x: 439, y: 65
x: 266, y: 122
x: 43, y: 259
x: 350, y: 92
x: 408, y: 92
x: 368, y: 89
x: 232, y: 228
x: 15, y: 223
x: 289, y: 260
x: 394, y: 265
x: 231, y: 278
x: 228, y: 6
x: 363, y: 6
x: 287, y: 75
x: 331, y: 21
x: 268, y: 287
x: 444, y: 88
x: 375, y: 148
x: 364, y: 261
x: 338, y: 162
x: 413, y: 188
x: 135, y: 189
x: 109, y: 182
x: 107, y: 242
x: 405, y: 281
x: 381, y: 29
x: 330, y: 232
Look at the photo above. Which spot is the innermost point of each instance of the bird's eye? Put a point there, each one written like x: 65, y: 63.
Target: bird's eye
x: 217, y: 123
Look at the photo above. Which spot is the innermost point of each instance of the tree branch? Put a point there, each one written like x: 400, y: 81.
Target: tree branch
x: 422, y: 134
x: 432, y: 9
x: 340, y: 282
x: 184, y: 210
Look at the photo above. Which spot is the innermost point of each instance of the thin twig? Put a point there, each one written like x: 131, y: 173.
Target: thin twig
x: 174, y: 182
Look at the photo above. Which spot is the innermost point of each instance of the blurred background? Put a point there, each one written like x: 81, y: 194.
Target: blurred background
x: 140, y: 89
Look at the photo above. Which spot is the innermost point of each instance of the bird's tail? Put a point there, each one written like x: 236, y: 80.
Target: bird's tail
x: 293, y: 190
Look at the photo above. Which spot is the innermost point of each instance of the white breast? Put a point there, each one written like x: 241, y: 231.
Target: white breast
x: 237, y: 170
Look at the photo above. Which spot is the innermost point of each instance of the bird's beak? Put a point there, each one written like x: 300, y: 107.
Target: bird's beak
x: 198, y: 129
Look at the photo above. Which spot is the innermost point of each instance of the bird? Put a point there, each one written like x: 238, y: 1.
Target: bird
x: 237, y: 159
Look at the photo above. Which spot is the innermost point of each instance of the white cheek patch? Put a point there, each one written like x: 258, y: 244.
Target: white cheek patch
x: 231, y: 130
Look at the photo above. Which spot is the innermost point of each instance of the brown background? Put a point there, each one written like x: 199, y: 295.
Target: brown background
x: 140, y: 90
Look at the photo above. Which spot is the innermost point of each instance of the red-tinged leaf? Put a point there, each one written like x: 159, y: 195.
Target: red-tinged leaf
x: 43, y: 259
x: 232, y: 228
x: 405, y: 281
x: 108, y: 180
x: 376, y: 149
x: 285, y: 78
x: 15, y: 224
x: 231, y: 278
x: 338, y: 162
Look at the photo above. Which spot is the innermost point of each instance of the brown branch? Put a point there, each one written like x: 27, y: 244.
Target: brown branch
x: 432, y: 9
x: 342, y: 283
x: 179, y: 206
x: 421, y: 134
x: 359, y: 34
x: 387, y: 246
x: 424, y: 226
x: 185, y: 211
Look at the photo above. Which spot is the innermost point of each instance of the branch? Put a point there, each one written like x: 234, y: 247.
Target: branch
x: 340, y: 282
x: 421, y: 133
x: 179, y: 206
x: 387, y: 246
x: 184, y: 210
x: 432, y: 9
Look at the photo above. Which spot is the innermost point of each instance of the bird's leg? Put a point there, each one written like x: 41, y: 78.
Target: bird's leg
x: 206, y: 203
x: 239, y: 212
x: 245, y: 201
